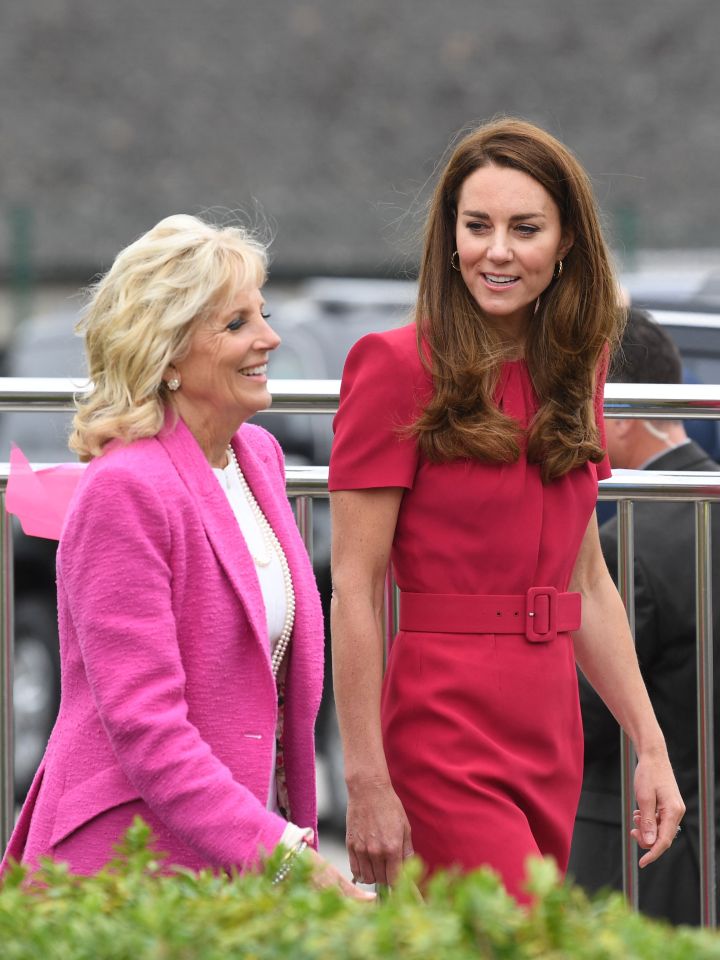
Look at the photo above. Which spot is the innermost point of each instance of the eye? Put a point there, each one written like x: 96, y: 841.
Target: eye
x: 265, y: 313
x: 236, y: 323
x: 527, y: 229
x: 476, y: 226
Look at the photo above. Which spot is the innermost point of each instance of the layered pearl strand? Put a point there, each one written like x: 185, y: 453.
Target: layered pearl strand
x: 271, y: 544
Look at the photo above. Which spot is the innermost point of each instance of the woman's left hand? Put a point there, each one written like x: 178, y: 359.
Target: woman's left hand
x: 661, y: 808
x: 324, y: 874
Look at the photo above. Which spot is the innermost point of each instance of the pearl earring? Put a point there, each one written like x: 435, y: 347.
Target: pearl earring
x: 173, y: 383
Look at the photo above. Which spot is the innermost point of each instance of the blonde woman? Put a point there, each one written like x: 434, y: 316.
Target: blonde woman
x: 191, y: 633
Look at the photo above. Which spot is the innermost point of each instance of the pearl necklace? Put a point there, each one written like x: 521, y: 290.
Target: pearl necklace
x: 272, y: 544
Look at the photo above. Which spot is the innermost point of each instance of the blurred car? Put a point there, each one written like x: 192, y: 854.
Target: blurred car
x: 681, y: 286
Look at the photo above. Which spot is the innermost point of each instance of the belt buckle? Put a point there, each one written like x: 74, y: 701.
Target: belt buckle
x: 541, y: 619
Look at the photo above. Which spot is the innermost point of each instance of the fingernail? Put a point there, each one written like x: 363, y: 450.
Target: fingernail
x: 649, y: 836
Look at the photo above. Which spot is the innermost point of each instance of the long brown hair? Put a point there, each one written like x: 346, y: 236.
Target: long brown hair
x: 577, y: 317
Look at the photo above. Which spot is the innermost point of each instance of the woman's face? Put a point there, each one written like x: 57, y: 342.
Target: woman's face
x: 224, y: 373
x: 508, y: 237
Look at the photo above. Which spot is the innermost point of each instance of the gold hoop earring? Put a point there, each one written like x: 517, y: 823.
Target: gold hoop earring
x: 453, y: 264
x: 557, y: 272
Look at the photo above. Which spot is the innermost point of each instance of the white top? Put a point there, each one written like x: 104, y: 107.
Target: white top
x: 271, y: 580
x: 272, y: 587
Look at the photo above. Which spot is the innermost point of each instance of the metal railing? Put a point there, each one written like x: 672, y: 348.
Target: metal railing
x: 306, y: 483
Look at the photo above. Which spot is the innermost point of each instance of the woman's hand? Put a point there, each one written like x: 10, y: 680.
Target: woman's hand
x: 605, y: 652
x: 324, y: 874
x: 661, y: 807
x: 378, y: 832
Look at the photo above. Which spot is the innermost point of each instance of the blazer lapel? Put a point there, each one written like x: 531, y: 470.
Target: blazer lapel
x: 268, y: 487
x: 219, y: 521
x: 260, y: 466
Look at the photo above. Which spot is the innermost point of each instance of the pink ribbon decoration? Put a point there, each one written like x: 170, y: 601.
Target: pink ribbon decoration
x: 40, y: 498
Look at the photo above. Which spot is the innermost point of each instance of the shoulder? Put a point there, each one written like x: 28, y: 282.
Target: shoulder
x: 389, y: 364
x: 399, y: 344
x: 695, y: 458
x: 688, y: 456
x: 383, y: 391
x: 142, y: 463
x: 142, y: 458
x: 133, y: 479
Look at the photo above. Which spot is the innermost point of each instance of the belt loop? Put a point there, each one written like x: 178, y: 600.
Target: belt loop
x: 541, y: 614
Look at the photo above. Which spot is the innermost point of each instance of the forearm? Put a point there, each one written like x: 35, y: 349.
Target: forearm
x: 363, y: 523
x: 357, y: 646
x: 605, y: 653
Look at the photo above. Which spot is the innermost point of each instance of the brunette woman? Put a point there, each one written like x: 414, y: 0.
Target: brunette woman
x: 467, y: 452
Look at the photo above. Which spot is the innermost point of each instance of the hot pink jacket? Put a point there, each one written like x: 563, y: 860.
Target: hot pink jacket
x: 168, y: 704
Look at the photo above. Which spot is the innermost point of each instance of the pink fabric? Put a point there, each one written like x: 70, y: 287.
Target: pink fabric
x: 168, y: 702
x: 40, y: 498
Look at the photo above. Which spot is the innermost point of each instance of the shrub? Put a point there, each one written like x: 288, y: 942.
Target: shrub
x: 132, y: 911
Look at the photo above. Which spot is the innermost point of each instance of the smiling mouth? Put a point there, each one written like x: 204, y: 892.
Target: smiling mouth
x: 258, y: 371
x: 499, y: 280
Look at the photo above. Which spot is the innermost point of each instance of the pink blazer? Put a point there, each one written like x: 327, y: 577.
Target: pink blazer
x: 169, y: 706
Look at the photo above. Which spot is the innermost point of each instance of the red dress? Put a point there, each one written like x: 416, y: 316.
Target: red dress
x: 482, y: 732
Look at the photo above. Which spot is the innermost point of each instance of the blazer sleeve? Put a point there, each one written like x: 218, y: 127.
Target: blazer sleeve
x: 114, y: 569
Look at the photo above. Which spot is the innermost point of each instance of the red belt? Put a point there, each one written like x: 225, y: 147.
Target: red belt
x: 540, y: 614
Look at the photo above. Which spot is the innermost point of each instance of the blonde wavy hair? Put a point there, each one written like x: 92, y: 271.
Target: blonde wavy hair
x: 141, y: 317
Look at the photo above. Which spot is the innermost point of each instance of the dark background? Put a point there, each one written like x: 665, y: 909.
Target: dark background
x: 329, y: 116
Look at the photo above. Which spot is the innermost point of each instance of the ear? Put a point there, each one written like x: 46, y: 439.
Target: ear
x: 566, y: 242
x: 169, y: 372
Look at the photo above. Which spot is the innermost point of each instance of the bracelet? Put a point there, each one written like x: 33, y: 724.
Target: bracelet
x: 288, y: 861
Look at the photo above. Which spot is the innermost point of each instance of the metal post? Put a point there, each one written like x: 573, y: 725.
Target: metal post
x: 628, y: 760
x: 391, y: 613
x: 706, y: 744
x: 7, y: 791
x: 304, y: 520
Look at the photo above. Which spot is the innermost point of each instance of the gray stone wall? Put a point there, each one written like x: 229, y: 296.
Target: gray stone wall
x: 330, y: 115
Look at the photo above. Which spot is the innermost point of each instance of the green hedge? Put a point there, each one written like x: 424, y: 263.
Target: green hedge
x: 130, y: 912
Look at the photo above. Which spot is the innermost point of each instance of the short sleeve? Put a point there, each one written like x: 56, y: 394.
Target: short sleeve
x: 602, y: 469
x: 383, y: 389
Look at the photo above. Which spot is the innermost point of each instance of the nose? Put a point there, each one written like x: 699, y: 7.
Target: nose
x: 499, y: 249
x: 270, y: 339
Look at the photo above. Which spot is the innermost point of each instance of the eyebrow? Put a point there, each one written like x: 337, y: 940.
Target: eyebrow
x: 480, y: 215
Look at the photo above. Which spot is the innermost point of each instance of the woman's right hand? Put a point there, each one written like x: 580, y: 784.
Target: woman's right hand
x: 378, y: 832
x: 324, y: 874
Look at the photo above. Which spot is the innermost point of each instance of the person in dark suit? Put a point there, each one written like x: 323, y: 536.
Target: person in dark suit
x: 665, y: 624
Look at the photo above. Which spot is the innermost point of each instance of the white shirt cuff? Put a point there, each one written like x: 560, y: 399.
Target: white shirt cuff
x: 293, y: 835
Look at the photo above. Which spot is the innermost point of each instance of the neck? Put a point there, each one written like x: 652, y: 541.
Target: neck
x: 211, y: 432
x: 216, y: 454
x: 654, y: 437
x: 512, y: 332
